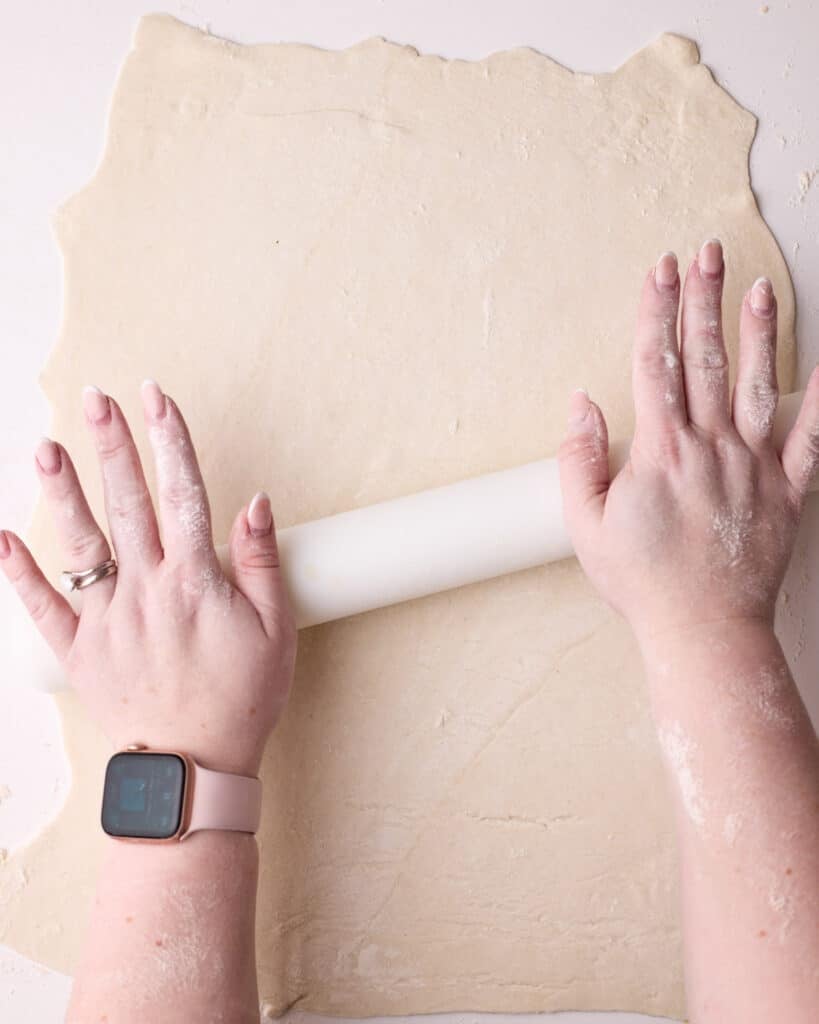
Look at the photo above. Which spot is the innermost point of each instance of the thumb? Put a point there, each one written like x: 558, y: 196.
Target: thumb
x: 254, y: 556
x: 584, y: 463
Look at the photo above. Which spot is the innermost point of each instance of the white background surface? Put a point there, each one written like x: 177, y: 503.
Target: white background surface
x: 58, y: 64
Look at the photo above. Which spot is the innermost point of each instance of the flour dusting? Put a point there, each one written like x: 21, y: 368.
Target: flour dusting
x: 810, y: 459
x: 679, y: 753
x: 713, y: 356
x: 772, y: 687
x: 781, y: 903
x: 760, y: 406
x: 176, y: 475
x: 805, y: 180
x: 670, y: 357
x: 713, y: 362
x: 134, y: 529
x: 183, y: 958
x: 210, y: 580
x: 732, y: 528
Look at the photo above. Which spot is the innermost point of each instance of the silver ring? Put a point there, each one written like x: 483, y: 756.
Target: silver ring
x: 80, y: 580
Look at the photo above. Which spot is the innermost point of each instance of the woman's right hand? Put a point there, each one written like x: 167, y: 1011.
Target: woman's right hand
x: 699, y: 525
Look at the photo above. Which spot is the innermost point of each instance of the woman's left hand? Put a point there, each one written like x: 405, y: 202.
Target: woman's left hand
x: 166, y: 652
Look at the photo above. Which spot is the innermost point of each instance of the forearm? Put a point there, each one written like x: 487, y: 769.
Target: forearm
x: 172, y: 934
x: 744, y: 759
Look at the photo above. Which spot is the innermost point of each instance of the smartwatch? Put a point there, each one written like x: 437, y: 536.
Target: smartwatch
x: 160, y: 796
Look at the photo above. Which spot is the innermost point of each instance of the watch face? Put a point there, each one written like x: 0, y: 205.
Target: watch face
x: 143, y: 795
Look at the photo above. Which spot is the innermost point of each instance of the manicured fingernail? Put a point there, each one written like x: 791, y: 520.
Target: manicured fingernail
x: 709, y: 258
x: 579, y: 406
x: 665, y: 272
x: 762, y: 297
x: 96, y: 405
x: 5, y: 547
x: 48, y: 457
x: 260, y: 515
x: 153, y: 400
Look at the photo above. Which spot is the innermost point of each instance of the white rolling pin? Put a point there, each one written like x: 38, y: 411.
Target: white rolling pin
x: 423, y: 543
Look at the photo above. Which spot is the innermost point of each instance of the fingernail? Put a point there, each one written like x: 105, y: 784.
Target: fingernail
x: 153, y: 400
x: 48, y: 457
x: 5, y: 547
x: 579, y: 406
x: 762, y: 297
x: 96, y: 405
x: 709, y: 258
x: 260, y: 515
x: 665, y: 272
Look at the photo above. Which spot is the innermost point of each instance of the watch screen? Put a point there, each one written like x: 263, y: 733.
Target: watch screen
x: 143, y: 794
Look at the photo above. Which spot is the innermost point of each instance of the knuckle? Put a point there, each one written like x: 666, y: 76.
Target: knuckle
x: 573, y: 448
x: 110, y: 448
x: 180, y: 494
x: 730, y: 448
x: 260, y: 558
x: 708, y: 354
x: 129, y: 504
x: 665, y: 448
x: 759, y: 399
x: 658, y: 361
x: 19, y: 575
x: 32, y: 591
x: 85, y: 547
x: 38, y: 604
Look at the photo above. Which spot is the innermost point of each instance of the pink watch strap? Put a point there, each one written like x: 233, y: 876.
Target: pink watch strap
x: 219, y: 800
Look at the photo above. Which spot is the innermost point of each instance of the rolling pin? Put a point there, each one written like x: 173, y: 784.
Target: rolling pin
x: 438, y: 539
x: 413, y: 546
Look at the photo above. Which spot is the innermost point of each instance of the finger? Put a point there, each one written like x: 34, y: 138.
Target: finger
x: 659, y: 401
x: 183, y: 501
x: 755, y: 390
x: 49, y: 610
x: 800, y: 453
x: 584, y: 464
x: 254, y: 556
x: 82, y: 542
x: 702, y: 348
x: 131, y: 517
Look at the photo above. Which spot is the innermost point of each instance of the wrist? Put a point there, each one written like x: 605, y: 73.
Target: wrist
x: 200, y: 852
x: 220, y: 756
x: 712, y: 669
x: 661, y: 648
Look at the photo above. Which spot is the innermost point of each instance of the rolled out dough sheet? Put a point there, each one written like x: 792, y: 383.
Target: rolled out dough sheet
x: 361, y: 274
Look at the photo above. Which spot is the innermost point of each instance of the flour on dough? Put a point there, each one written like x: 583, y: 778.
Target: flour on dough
x: 328, y: 259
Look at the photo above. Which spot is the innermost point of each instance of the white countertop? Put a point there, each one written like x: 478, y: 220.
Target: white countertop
x: 58, y: 64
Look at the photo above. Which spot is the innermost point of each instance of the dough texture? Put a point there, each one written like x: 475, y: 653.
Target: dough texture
x: 364, y: 273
